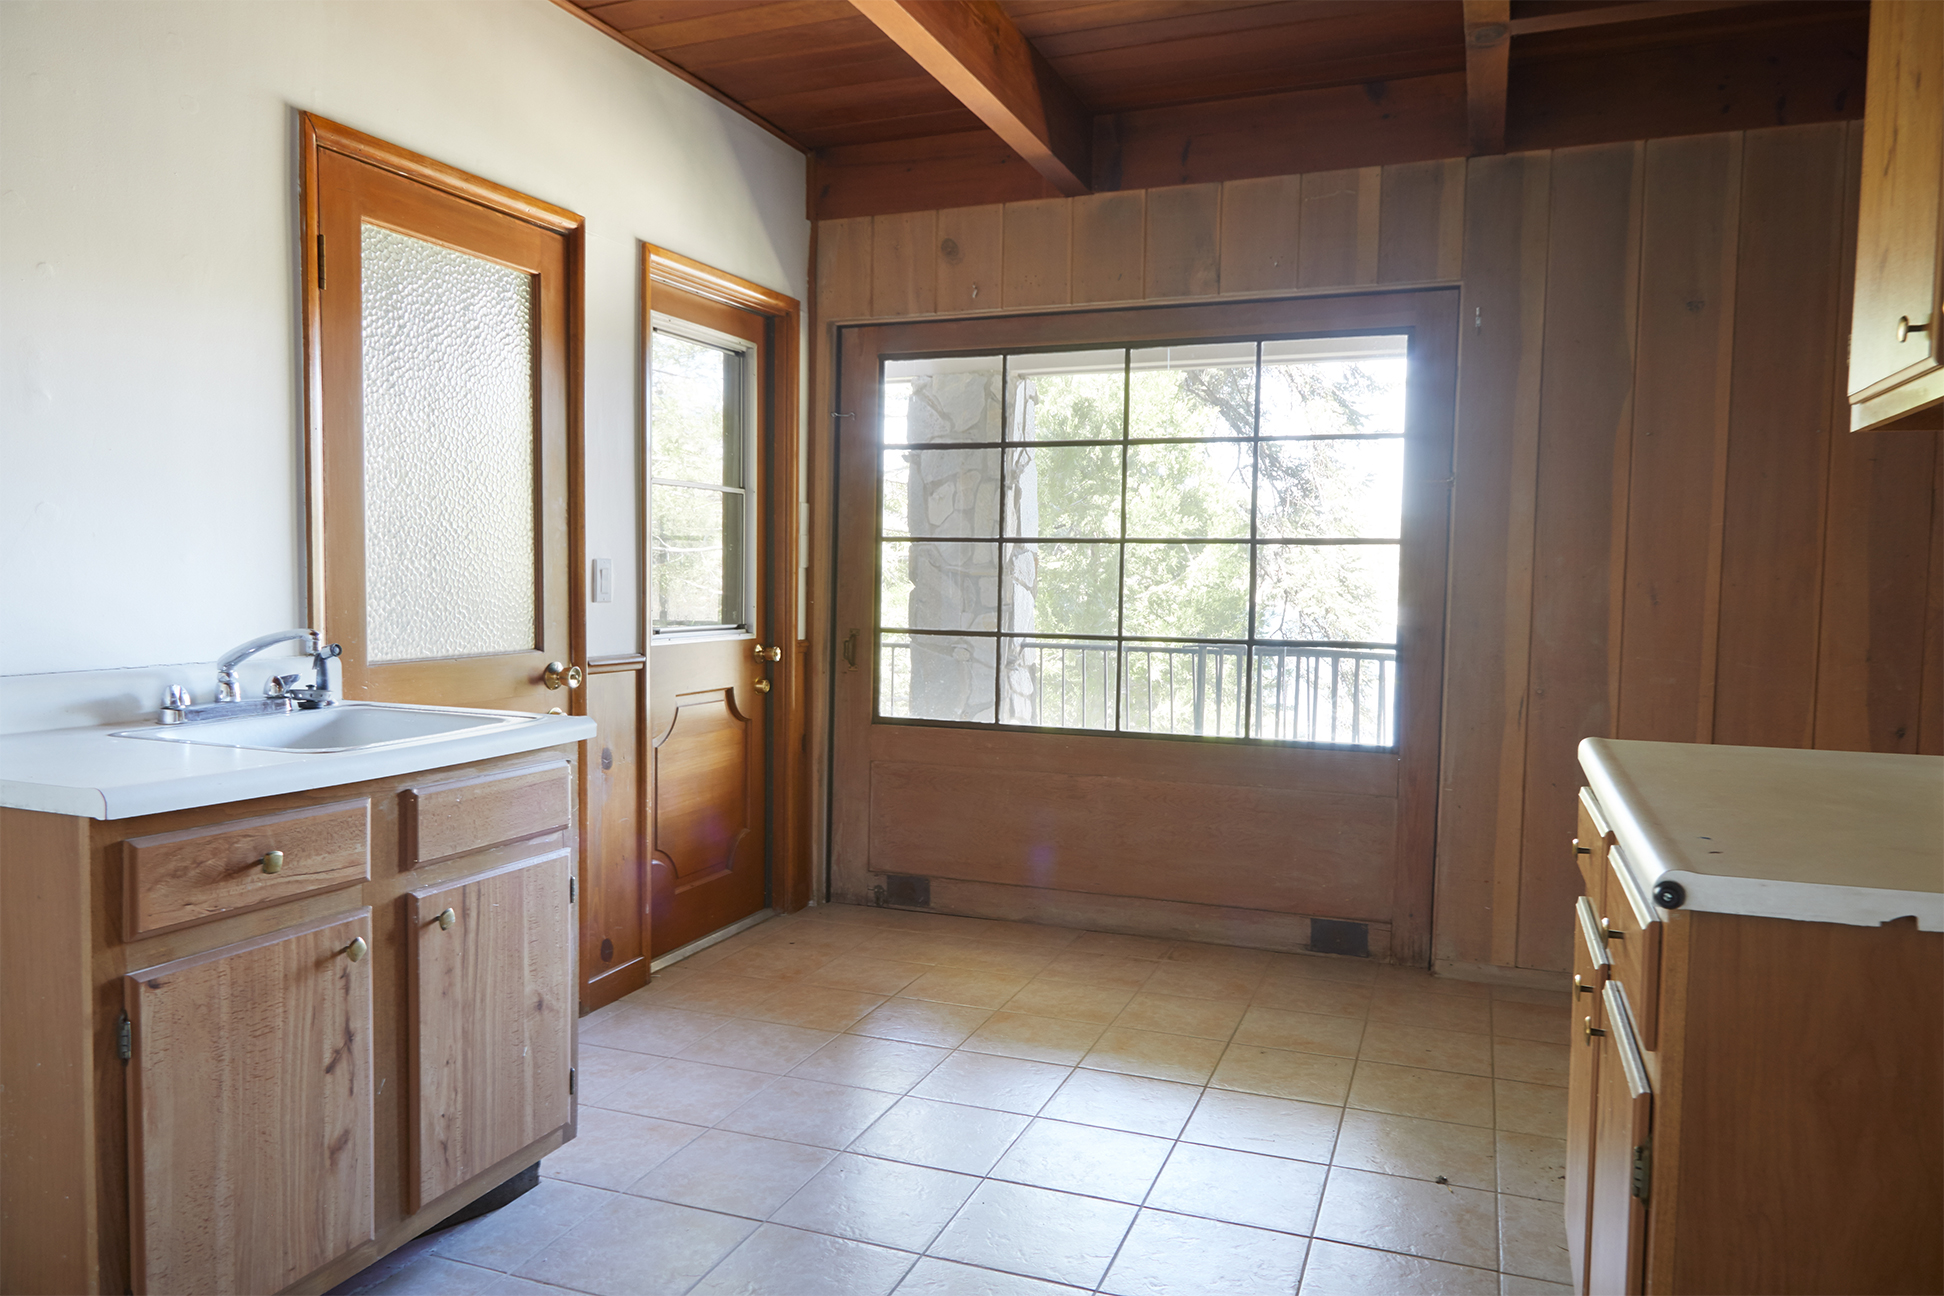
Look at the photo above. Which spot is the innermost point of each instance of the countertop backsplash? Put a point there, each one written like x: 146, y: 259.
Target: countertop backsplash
x: 79, y: 699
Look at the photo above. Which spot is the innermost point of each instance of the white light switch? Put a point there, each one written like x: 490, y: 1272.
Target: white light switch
x: 603, y: 580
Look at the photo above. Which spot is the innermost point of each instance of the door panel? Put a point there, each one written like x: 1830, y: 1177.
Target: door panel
x: 708, y: 652
x: 1590, y: 969
x: 249, y: 1111
x: 492, y: 1010
x: 1618, y: 1213
x: 442, y: 407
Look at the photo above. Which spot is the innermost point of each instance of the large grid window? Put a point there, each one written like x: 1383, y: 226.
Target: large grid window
x: 1197, y: 539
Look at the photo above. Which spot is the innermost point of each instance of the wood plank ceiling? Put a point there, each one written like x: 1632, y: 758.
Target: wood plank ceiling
x: 910, y: 104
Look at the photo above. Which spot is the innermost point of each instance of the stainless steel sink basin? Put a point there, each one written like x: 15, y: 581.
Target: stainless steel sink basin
x: 348, y: 726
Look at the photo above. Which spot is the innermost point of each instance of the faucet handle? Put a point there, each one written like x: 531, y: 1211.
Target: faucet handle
x: 276, y: 685
x: 174, y: 703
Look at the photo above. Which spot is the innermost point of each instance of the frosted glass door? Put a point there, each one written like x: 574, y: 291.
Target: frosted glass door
x: 449, y: 452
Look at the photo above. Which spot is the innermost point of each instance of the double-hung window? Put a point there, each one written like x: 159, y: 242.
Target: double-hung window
x: 1200, y: 539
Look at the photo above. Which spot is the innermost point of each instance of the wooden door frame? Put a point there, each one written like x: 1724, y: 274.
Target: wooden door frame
x: 1429, y: 314
x: 789, y: 858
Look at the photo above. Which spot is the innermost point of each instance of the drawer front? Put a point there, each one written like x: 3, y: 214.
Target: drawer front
x: 1633, y: 930
x: 1590, y: 968
x: 445, y: 820
x: 1590, y: 847
x: 179, y: 878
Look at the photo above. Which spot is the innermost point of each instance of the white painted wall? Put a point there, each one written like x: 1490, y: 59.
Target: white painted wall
x: 150, y: 468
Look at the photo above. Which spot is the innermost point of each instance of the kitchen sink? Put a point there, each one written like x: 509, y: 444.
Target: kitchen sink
x: 348, y: 726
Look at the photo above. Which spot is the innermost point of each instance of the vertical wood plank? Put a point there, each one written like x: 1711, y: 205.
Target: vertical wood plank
x: 1184, y: 225
x: 843, y: 288
x: 904, y: 274
x: 1786, y: 368
x: 1501, y: 326
x: 1338, y: 238
x: 1869, y: 688
x: 1451, y: 221
x: 1260, y: 222
x: 1585, y: 418
x: 1038, y: 239
x: 971, y: 244
x: 1930, y: 702
x: 1410, y: 222
x: 1109, y: 231
x: 1687, y: 281
x: 613, y: 902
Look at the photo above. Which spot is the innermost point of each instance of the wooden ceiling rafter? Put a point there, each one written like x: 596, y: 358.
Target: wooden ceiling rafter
x: 973, y: 49
x: 1640, y: 11
x: 1488, y: 51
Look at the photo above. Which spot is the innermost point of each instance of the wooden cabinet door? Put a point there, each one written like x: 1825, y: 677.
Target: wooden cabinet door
x: 1622, y: 1169
x: 1901, y: 213
x: 492, y: 1013
x: 1590, y: 969
x: 249, y: 1110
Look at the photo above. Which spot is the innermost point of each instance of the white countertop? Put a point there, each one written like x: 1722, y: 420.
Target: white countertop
x: 1777, y: 832
x: 90, y: 773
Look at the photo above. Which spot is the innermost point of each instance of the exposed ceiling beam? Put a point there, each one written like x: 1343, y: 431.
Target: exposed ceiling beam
x: 1618, y: 13
x: 973, y: 49
x: 681, y: 72
x: 1488, y: 41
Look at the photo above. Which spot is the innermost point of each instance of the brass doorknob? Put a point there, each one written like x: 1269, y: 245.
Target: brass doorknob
x: 561, y: 675
x: 272, y: 861
x: 446, y: 919
x: 355, y: 950
x: 768, y: 654
x: 762, y: 686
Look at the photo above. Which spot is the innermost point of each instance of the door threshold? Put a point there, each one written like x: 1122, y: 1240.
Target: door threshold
x: 713, y: 938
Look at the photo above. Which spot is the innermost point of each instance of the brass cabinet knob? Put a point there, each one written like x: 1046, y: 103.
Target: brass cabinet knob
x: 774, y: 654
x: 1905, y: 328
x: 446, y: 919
x: 762, y: 686
x: 561, y: 675
x: 272, y: 861
x: 1608, y: 928
x: 1590, y: 1030
x: 1581, y: 986
x: 355, y: 950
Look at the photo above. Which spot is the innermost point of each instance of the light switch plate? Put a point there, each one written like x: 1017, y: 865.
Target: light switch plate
x: 603, y: 583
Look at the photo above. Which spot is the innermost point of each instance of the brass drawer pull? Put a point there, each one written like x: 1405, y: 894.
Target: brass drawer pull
x: 1905, y: 328
x: 1581, y: 986
x: 1611, y: 932
x: 1590, y: 1030
x: 273, y: 861
x: 356, y: 949
x: 446, y: 919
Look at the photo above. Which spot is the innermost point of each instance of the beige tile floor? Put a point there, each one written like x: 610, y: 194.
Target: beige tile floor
x: 864, y: 1101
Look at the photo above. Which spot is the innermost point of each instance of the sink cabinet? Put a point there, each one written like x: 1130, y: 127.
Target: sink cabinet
x: 254, y: 1047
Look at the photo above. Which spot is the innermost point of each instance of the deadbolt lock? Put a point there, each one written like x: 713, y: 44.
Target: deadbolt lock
x: 762, y: 686
x: 561, y: 675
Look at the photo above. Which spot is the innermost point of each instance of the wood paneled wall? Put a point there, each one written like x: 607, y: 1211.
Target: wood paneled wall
x: 1661, y: 528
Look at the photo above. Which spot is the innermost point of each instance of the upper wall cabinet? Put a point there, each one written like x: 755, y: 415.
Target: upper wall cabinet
x: 1896, y: 358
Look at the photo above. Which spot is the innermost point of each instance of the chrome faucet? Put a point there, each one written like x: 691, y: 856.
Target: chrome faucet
x: 280, y: 693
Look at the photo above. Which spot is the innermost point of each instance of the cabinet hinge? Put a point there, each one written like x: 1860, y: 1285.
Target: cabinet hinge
x: 570, y: 1082
x: 1643, y: 1171
x: 320, y: 263
x: 124, y: 1038
x: 573, y: 888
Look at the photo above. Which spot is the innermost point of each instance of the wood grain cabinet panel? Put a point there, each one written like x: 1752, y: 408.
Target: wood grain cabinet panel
x: 1590, y: 969
x: 492, y: 1017
x: 250, y: 1110
x: 175, y: 879
x: 1900, y: 224
x: 1633, y: 931
x: 459, y: 816
x: 1621, y: 1173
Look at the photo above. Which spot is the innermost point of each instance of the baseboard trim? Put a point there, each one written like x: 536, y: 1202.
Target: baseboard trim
x: 1493, y: 974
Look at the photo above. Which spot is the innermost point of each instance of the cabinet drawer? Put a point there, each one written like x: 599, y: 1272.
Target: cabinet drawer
x: 1590, y: 847
x: 444, y: 820
x: 178, y: 878
x: 1633, y: 930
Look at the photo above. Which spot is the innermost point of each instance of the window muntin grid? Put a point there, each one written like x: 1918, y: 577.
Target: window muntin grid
x: 1034, y: 571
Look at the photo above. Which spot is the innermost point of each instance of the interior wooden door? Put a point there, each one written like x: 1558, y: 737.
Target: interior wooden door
x: 444, y: 527
x: 1622, y: 1166
x: 1053, y: 684
x: 492, y: 1011
x: 249, y: 1110
x: 712, y: 653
